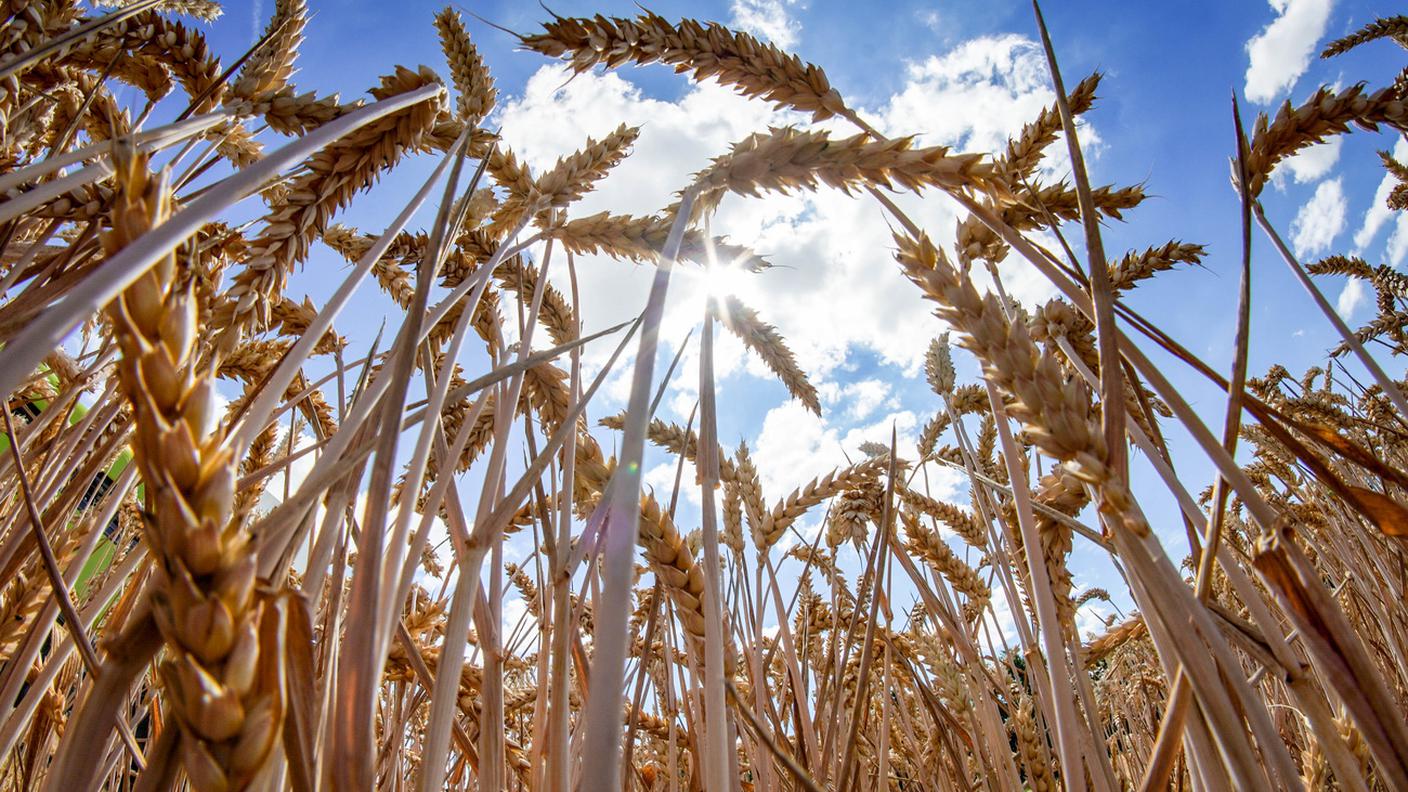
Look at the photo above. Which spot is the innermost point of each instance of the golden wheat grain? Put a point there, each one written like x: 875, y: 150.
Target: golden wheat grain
x: 1394, y: 27
x: 1136, y: 266
x: 677, y: 440
x: 1055, y: 409
x: 333, y: 176
x: 473, y: 82
x: 1326, y: 113
x: 268, y: 70
x: 926, y: 544
x: 707, y: 50
x: 767, y: 343
x: 1025, y: 151
x: 929, y: 697
x: 180, y: 49
x: 226, y: 692
x: 786, y: 159
x: 962, y: 523
x: 1101, y: 648
x: 802, y: 499
x: 1031, y: 745
x: 643, y: 238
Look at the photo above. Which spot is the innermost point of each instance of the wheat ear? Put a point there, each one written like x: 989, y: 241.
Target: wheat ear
x: 708, y: 50
x: 222, y: 672
x: 472, y: 79
x: 767, y: 343
x: 333, y: 176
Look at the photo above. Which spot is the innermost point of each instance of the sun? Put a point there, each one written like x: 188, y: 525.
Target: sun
x: 725, y: 281
x: 722, y: 280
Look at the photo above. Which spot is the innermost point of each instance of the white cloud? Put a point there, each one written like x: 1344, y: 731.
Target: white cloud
x: 257, y: 20
x: 661, y: 480
x: 971, y: 98
x: 931, y: 18
x: 1280, y: 53
x: 998, y: 82
x: 1351, y: 297
x: 769, y: 19
x: 794, y: 442
x: 1309, y: 164
x: 1379, y: 213
x: 863, y: 397
x: 1320, y: 220
x: 796, y: 445
x: 677, y: 138
x: 835, y: 288
x: 1398, y: 241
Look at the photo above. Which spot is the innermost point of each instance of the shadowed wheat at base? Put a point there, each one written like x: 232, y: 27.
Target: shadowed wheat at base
x: 433, y: 559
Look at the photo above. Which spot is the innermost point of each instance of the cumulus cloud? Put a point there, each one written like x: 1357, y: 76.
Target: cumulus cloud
x: 1309, y: 164
x: 1000, y: 82
x: 1353, y: 294
x: 1280, y: 53
x: 795, y: 445
x: 677, y: 138
x: 1397, y: 247
x: 793, y: 439
x: 1379, y: 214
x: 1320, y: 220
x: 770, y: 19
x: 660, y: 479
x: 1351, y: 297
x: 861, y: 398
x: 834, y: 289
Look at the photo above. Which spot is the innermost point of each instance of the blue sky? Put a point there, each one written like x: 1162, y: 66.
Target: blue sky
x: 964, y: 73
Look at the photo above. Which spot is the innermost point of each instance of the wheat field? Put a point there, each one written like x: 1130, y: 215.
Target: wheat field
x: 179, y: 611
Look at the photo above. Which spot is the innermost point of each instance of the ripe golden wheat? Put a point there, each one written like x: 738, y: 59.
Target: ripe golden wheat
x: 180, y: 610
